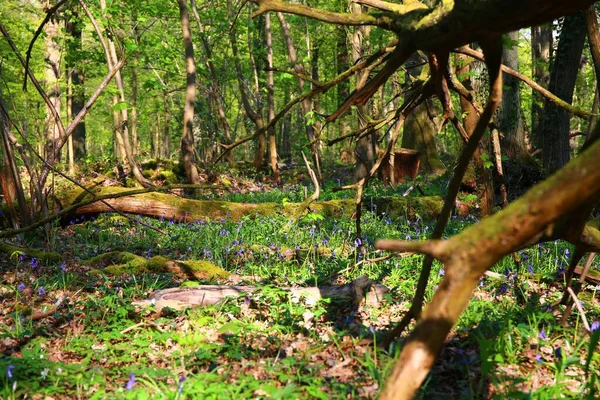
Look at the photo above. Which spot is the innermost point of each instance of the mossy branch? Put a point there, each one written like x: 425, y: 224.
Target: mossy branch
x: 382, y: 20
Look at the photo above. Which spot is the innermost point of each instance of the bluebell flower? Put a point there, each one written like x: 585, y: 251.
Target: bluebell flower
x: 530, y: 268
x: 63, y: 267
x: 442, y: 272
x: 595, y: 326
x: 181, y: 380
x: 34, y: 262
x: 558, y: 352
x: 41, y: 291
x: 21, y: 287
x: 130, y: 382
x: 357, y: 242
x: 326, y: 241
x: 9, y: 371
x: 538, y: 358
x: 543, y: 335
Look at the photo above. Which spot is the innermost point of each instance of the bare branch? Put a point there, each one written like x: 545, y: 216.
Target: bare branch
x: 545, y: 92
x: 383, y: 20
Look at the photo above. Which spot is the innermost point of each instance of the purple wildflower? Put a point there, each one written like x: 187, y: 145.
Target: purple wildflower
x: 21, y: 287
x: 357, y: 242
x: 543, y: 335
x: 442, y: 272
x: 595, y: 326
x: 538, y: 358
x: 41, y: 291
x: 130, y: 382
x: 34, y: 263
x: 558, y: 352
x: 63, y: 267
x: 9, y: 371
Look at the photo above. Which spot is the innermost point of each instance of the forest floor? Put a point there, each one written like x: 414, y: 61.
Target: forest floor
x: 96, y: 344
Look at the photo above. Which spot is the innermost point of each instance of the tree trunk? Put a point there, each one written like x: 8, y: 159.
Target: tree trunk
x: 254, y: 115
x: 165, y: 149
x: 306, y: 105
x: 52, y: 76
x: 187, y: 138
x: 509, y: 113
x: 419, y: 130
x: 77, y: 97
x: 541, y: 46
x: 271, y: 99
x: 485, y: 187
x: 215, y: 92
x: 10, y: 179
x: 365, y: 147
x: 556, y: 126
x: 134, y: 89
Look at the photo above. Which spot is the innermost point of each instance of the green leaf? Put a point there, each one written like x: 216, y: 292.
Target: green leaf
x: 120, y: 106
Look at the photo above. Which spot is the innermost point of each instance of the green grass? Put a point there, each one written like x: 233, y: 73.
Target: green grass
x: 504, y: 346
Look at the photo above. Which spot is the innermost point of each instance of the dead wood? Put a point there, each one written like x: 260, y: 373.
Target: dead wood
x: 182, y: 298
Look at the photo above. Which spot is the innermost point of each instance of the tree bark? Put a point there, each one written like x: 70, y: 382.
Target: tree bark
x: 52, y: 77
x: 419, y: 130
x: 556, y: 126
x: 541, y: 46
x: 271, y: 99
x: 365, y: 147
x: 187, y: 138
x: 214, y: 81
x: 485, y: 187
x: 77, y: 99
x: 509, y: 114
x: 306, y: 104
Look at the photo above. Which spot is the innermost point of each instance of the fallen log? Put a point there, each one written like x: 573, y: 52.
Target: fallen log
x: 198, y: 296
x: 168, y: 206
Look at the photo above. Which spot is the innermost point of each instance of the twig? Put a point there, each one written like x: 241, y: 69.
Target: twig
x: 580, y: 308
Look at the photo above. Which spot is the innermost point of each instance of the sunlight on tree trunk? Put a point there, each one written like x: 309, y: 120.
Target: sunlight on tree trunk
x: 187, y: 137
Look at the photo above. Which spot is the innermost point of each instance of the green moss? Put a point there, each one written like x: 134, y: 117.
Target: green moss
x: 169, y: 177
x: 114, y: 257
x: 205, y: 268
x: 49, y: 256
x: 119, y: 263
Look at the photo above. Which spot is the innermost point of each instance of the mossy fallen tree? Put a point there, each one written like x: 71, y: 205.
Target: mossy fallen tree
x: 122, y: 262
x: 49, y: 256
x: 168, y: 206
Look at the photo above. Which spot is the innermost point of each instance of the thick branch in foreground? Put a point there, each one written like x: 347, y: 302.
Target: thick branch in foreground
x: 468, y: 255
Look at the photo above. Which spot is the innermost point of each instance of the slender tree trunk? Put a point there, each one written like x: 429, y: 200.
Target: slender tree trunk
x: 254, y: 115
x: 285, y: 138
x: 306, y: 105
x: 342, y: 64
x: 365, y: 147
x: 541, y: 45
x: 215, y: 92
x: 166, y: 141
x: 556, y: 127
x: 52, y: 76
x: 509, y: 113
x: 134, y: 90
x: 10, y: 179
x: 76, y: 97
x: 419, y: 130
x: 485, y: 187
x: 187, y: 138
x: 271, y: 99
